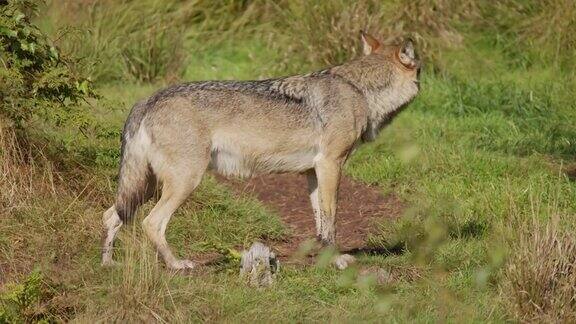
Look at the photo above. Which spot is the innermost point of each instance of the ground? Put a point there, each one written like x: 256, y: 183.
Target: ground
x: 360, y: 206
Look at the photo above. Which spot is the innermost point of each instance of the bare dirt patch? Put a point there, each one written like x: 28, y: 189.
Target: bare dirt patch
x: 359, y: 206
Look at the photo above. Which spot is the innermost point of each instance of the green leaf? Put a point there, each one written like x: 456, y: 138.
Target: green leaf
x: 26, y: 31
x: 7, y: 32
x: 18, y: 16
x: 53, y: 53
x: 83, y: 87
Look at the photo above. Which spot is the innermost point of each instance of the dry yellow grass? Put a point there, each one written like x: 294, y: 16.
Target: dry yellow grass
x: 540, y: 279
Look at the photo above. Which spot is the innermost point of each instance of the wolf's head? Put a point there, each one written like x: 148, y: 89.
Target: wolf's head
x: 387, y: 74
x: 391, y: 71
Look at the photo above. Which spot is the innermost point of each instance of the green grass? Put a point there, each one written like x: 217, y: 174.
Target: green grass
x: 477, y: 157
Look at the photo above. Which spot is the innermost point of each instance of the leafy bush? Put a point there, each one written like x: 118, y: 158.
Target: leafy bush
x: 18, y: 302
x: 36, y: 80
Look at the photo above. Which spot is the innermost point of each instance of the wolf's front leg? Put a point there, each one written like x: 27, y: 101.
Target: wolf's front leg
x: 324, y: 201
x: 314, y: 200
x: 328, y: 177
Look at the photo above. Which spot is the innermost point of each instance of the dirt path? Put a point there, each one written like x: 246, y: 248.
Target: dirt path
x: 359, y: 205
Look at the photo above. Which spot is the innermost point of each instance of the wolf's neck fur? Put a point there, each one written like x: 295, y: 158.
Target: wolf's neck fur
x: 376, y: 85
x: 368, y: 77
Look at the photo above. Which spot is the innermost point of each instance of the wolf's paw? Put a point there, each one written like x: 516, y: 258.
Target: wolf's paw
x: 180, y: 265
x: 343, y: 261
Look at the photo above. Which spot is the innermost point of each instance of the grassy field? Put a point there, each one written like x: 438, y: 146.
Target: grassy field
x: 484, y: 160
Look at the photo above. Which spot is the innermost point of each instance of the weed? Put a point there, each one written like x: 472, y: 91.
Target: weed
x: 22, y: 302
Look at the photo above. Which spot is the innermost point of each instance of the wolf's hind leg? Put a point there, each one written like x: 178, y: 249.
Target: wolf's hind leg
x: 177, y: 187
x: 112, y: 224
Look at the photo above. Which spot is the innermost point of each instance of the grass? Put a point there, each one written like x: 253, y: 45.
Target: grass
x: 134, y: 41
x: 544, y: 291
x: 479, y: 159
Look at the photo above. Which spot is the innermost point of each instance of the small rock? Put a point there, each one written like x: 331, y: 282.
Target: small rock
x: 259, y: 265
x: 343, y: 261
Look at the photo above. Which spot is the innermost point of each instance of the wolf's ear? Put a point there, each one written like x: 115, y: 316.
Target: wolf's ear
x: 369, y: 43
x: 407, y: 54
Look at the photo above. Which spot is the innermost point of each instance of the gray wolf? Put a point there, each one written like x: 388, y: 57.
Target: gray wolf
x: 305, y: 123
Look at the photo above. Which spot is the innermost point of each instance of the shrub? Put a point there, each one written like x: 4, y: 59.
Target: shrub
x: 19, y: 302
x: 36, y: 79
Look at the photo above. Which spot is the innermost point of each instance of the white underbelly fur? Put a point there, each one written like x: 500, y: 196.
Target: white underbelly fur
x: 231, y: 160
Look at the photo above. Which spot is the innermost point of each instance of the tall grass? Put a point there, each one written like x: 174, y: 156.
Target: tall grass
x: 138, y: 289
x: 540, y: 279
x: 332, y: 39
x: 144, y: 40
x: 124, y: 40
x: 551, y: 26
x: 329, y: 40
x: 24, y: 172
x: 436, y: 25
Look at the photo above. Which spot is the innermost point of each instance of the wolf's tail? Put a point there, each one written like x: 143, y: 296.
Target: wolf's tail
x: 136, y: 177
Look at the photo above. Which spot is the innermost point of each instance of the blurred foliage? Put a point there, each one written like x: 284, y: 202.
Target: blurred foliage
x: 542, y: 31
x: 327, y: 41
x: 436, y: 25
x: 145, y: 40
